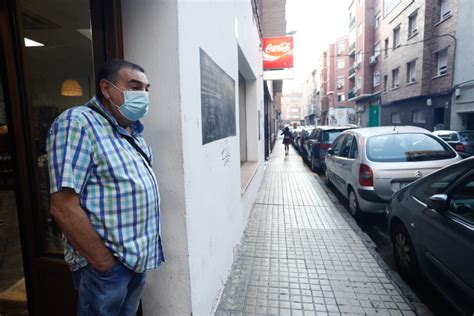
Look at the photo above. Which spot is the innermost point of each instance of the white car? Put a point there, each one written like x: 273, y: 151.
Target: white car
x: 368, y: 165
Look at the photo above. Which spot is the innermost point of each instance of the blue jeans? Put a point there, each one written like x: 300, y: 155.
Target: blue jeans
x: 113, y: 292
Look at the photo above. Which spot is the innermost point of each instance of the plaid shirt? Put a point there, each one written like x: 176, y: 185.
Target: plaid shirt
x: 118, y: 190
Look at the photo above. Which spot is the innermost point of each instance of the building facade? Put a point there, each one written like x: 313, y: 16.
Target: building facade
x: 273, y: 23
x: 293, y: 109
x: 462, y: 102
x: 208, y: 180
x: 407, y: 61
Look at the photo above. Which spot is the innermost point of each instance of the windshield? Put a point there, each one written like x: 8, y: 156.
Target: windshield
x: 407, y: 147
x: 330, y: 136
x: 468, y: 136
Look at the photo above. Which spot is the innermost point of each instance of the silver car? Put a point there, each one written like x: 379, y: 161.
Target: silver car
x: 368, y: 165
x: 431, y: 225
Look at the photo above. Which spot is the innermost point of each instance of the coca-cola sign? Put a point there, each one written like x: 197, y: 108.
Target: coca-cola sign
x: 277, y: 52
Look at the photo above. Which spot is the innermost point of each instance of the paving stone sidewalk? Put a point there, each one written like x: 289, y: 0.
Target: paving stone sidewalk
x: 300, y: 256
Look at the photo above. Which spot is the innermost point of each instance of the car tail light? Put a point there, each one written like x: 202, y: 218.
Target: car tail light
x: 324, y: 146
x: 366, y: 176
x: 460, y: 147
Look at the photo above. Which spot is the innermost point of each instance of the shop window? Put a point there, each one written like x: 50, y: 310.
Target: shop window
x: 419, y: 117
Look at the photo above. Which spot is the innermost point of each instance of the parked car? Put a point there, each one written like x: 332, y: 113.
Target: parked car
x: 296, y: 136
x: 368, y: 165
x: 318, y: 142
x: 431, y: 224
x: 462, y: 142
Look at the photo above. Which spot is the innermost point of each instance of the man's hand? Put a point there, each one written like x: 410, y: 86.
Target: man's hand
x: 73, y: 221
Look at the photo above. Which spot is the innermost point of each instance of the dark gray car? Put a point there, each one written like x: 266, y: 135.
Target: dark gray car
x: 462, y: 142
x: 431, y: 224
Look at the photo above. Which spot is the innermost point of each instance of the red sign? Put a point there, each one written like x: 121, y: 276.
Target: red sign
x: 277, y: 52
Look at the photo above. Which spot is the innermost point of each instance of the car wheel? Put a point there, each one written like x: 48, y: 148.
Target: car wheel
x: 354, y: 204
x: 404, y: 253
x: 326, y: 178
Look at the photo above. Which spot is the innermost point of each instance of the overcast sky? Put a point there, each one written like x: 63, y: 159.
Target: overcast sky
x: 317, y: 24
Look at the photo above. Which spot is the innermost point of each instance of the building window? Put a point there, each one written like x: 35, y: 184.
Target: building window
x: 340, y: 48
x: 377, y: 20
x: 411, y: 72
x: 419, y: 117
x: 377, y: 49
x: 376, y: 79
x: 412, y: 25
x: 340, y: 82
x: 341, y: 97
x: 445, y: 9
x: 385, y: 82
x: 396, y: 118
x: 341, y: 63
x: 442, y: 62
x: 359, y: 30
x: 386, y: 47
x: 396, y: 37
x: 395, y: 78
x: 359, y: 82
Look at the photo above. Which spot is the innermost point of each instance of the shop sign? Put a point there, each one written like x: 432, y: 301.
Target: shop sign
x: 277, y: 52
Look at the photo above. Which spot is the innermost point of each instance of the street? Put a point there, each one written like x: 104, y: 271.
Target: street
x: 374, y: 225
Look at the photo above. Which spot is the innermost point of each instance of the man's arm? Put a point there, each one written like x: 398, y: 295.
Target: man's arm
x: 73, y: 221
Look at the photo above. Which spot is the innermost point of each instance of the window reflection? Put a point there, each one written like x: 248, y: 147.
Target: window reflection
x: 60, y: 75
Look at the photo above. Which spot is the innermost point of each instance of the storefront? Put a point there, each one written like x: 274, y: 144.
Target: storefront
x: 49, y: 51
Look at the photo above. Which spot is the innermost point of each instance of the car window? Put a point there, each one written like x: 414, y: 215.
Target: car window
x: 468, y: 136
x: 407, y: 147
x: 330, y: 136
x: 437, y: 183
x: 462, y: 200
x: 346, y: 146
x: 354, y: 149
x: 336, y: 145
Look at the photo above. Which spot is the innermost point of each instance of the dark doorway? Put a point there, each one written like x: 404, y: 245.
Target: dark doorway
x: 438, y: 116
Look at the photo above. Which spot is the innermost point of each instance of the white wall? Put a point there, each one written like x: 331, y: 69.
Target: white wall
x: 151, y: 40
x: 203, y: 212
x: 216, y: 211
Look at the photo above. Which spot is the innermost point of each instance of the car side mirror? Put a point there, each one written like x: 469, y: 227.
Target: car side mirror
x: 438, y: 202
x: 331, y: 151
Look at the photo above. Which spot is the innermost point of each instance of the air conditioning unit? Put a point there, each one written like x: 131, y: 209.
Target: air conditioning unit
x: 397, y: 85
x: 412, y: 79
x: 372, y: 60
x: 339, y: 86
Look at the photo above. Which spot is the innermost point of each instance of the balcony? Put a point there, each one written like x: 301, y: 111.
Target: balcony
x: 352, y: 72
x: 352, y: 22
x: 352, y: 49
x: 351, y: 94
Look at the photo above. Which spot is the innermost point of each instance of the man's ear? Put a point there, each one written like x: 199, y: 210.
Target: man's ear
x: 104, y: 88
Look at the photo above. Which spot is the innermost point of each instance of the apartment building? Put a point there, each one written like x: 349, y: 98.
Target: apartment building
x: 404, y: 58
x: 310, y: 98
x: 462, y: 109
x: 292, y: 108
x: 323, y: 103
x: 335, y: 64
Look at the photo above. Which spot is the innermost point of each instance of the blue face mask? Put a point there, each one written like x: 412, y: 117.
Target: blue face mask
x: 135, y: 105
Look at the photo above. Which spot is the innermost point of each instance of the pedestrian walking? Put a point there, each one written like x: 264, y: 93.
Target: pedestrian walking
x: 287, y: 136
x: 104, y: 194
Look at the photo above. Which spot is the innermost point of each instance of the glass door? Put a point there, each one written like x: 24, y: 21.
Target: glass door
x: 49, y: 51
x: 13, y: 299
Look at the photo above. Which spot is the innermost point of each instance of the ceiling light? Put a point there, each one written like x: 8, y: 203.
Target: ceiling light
x: 71, y: 88
x: 31, y: 43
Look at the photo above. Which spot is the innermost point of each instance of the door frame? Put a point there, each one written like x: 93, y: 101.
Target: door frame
x: 107, y: 44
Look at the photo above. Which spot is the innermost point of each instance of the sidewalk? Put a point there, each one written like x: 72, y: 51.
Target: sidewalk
x: 300, y: 256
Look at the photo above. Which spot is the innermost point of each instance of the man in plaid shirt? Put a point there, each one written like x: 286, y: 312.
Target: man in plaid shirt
x: 104, y: 194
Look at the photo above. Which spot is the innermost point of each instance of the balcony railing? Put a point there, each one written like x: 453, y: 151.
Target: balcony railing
x: 352, y: 71
x: 351, y: 94
x: 352, y: 22
x: 352, y: 48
